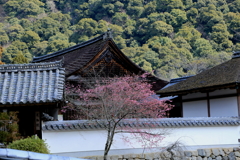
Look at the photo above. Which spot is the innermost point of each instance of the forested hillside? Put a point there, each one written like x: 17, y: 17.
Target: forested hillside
x: 171, y: 37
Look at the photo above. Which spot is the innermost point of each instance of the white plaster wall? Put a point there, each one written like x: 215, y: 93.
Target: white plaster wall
x: 195, y: 109
x: 194, y: 95
x: 223, y: 107
x: 73, y: 141
x: 200, y: 136
x: 222, y: 92
x: 78, y: 141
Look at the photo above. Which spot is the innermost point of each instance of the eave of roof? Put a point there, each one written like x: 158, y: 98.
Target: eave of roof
x: 175, y: 81
x: 195, y: 90
x: 142, y: 123
x: 30, y: 66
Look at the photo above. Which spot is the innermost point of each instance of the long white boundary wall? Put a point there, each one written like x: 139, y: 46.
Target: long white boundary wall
x: 82, y: 141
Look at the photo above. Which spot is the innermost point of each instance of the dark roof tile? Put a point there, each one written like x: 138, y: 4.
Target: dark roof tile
x: 81, y: 57
x: 224, y: 75
x: 31, y: 83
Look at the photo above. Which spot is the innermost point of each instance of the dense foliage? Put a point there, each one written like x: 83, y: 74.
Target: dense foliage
x: 33, y: 144
x: 8, y: 127
x: 172, y: 37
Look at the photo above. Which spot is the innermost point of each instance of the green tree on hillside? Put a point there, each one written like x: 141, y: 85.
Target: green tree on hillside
x: 19, y: 58
x: 14, y: 49
x: 1, y: 51
x: 46, y: 27
x: 3, y: 37
x: 30, y: 38
x: 22, y: 8
x: 195, y: 30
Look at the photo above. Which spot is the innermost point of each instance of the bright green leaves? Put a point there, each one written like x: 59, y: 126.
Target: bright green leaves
x: 3, y: 37
x: 46, y: 27
x: 30, y: 38
x: 19, y: 59
x: 202, y: 48
x: 135, y: 8
x: 221, y: 35
x: 22, y: 8
x: 168, y: 5
x: 87, y: 28
x: 189, y: 34
x: 15, y: 32
x: 160, y: 28
x: 172, y: 37
x: 16, y: 48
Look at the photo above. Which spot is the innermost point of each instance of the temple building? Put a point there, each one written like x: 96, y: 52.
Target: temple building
x: 34, y: 90
x: 97, y: 56
x: 212, y: 93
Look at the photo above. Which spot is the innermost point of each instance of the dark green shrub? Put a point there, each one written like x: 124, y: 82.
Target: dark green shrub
x: 33, y: 144
x: 8, y: 127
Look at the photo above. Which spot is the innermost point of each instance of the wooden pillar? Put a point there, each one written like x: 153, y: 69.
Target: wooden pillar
x: 38, y: 124
x: 238, y: 101
x: 181, y: 105
x: 208, y: 104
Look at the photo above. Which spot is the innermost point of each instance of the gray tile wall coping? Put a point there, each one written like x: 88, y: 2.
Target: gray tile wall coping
x: 142, y: 123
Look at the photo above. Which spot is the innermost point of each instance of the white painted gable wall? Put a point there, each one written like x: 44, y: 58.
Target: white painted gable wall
x: 195, y: 109
x: 219, y: 107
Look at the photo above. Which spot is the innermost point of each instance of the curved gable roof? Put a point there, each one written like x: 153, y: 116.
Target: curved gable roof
x: 76, y: 56
x: 85, y: 55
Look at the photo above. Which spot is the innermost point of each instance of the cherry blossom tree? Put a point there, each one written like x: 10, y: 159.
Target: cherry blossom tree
x: 109, y: 101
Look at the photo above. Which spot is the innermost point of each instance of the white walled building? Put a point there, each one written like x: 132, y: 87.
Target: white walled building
x: 211, y: 93
x: 219, y: 103
x: 209, y: 104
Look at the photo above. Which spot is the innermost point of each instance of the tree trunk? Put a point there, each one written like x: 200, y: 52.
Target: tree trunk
x: 110, y: 136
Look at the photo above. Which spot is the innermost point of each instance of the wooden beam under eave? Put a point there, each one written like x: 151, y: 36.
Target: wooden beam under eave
x: 47, y: 104
x: 208, y: 105
x: 238, y: 101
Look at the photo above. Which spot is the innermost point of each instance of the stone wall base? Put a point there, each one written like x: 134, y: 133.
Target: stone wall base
x: 200, y: 154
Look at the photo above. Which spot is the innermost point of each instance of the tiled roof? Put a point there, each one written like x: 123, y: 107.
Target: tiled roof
x: 80, y: 59
x: 13, y: 154
x: 175, y: 81
x: 222, y: 76
x: 31, y: 83
x: 143, y: 123
x: 78, y: 56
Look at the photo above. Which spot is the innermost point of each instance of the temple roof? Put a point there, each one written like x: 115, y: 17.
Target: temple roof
x: 96, y: 53
x: 83, y: 54
x: 31, y: 83
x: 222, y: 76
x: 142, y: 123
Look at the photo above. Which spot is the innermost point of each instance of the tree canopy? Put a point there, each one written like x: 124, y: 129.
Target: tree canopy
x: 109, y: 101
x: 167, y: 31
